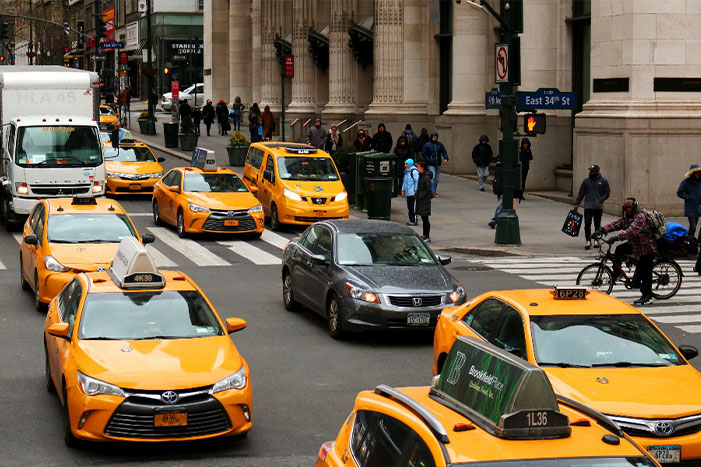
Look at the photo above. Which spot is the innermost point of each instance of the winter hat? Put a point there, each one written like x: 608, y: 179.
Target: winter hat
x: 484, y: 138
x: 410, y: 162
x: 434, y: 133
x: 694, y: 168
x: 221, y: 101
x: 594, y: 168
x: 408, y: 127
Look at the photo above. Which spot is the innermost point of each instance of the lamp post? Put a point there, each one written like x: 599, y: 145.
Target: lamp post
x: 149, y: 61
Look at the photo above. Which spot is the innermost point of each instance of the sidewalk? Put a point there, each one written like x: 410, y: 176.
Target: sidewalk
x: 460, y: 213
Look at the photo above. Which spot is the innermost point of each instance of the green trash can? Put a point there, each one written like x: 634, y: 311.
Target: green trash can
x: 170, y: 133
x: 378, y: 194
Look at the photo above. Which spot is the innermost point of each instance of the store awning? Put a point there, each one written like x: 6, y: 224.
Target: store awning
x: 319, y: 46
x: 361, y: 40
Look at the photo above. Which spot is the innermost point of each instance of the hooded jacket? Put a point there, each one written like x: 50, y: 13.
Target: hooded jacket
x: 421, y: 142
x: 525, y: 155
x: 403, y: 151
x: 482, y: 153
x: 410, y: 183
x: 382, y: 141
x: 690, y: 191
x: 424, y: 193
x: 594, y: 191
x: 434, y: 153
x: 409, y: 135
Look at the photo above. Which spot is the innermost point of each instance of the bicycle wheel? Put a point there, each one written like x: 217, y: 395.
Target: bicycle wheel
x: 666, y: 279
x: 597, y: 277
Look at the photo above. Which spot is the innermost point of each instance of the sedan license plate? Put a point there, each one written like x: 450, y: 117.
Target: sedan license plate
x: 231, y: 222
x: 418, y: 319
x: 171, y: 418
x: 320, y: 213
x: 666, y: 454
x: 135, y: 186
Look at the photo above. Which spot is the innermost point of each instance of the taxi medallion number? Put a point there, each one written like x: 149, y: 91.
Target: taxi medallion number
x: 231, y: 222
x: 135, y: 186
x: 666, y: 454
x: 171, y: 418
x: 418, y: 319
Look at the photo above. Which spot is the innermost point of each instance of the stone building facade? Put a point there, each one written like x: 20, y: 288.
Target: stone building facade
x: 430, y: 62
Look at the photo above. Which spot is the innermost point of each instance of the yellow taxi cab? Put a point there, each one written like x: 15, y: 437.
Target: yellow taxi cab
x: 139, y: 354
x: 66, y: 236
x: 489, y: 408
x: 597, y: 350
x: 131, y: 168
x: 204, y: 198
x: 297, y: 183
x: 108, y: 118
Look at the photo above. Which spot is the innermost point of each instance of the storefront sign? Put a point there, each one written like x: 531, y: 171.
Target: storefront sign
x: 123, y: 58
x: 132, y: 35
x: 186, y: 48
x: 175, y: 89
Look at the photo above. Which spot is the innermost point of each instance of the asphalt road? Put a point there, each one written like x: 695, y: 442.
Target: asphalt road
x: 304, y: 383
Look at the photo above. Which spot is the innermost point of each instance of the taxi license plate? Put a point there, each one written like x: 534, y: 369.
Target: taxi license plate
x: 174, y: 418
x: 666, y: 454
x: 418, y: 319
x: 320, y: 213
x: 231, y: 222
x: 135, y: 186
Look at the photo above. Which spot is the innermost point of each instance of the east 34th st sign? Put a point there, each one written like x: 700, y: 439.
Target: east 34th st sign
x: 544, y: 98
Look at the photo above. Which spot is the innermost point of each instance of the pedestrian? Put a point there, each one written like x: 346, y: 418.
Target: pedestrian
x: 268, y: 122
x: 410, y: 138
x: 420, y: 142
x: 382, y: 141
x: 403, y: 152
x: 334, y: 140
x: 254, y: 120
x: 196, y: 118
x: 500, y: 203
x: 208, y: 115
x: 690, y: 191
x: 482, y: 156
x: 222, y: 112
x: 122, y: 100
x: 362, y: 141
x: 185, y: 109
x: 237, y: 109
x: 410, y: 183
x: 594, y: 190
x: 316, y: 135
x: 641, y: 242
x: 525, y: 156
x: 434, y: 153
x: 424, y: 193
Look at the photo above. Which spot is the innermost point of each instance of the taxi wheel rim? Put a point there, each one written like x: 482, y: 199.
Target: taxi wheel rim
x: 274, y: 221
x: 287, y: 289
x: 37, y: 302
x: 156, y: 215
x: 181, y: 223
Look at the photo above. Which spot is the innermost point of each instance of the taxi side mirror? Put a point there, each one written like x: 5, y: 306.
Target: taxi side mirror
x: 444, y: 259
x: 59, y: 330
x: 253, y: 189
x: 161, y: 159
x: 147, y: 238
x: 235, y: 324
x: 689, y: 351
x: 174, y: 189
x: 31, y: 239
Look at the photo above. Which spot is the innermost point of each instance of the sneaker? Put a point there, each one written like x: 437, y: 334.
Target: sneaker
x: 492, y: 224
x: 481, y: 188
x: 435, y: 194
x: 587, y: 245
x: 644, y: 300
x: 412, y: 223
x: 426, y: 239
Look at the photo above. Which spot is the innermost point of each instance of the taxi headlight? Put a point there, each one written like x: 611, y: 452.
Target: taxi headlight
x: 196, y: 208
x: 291, y: 195
x: 341, y: 196
x: 155, y: 174
x: 258, y: 208
x: 360, y: 294
x: 235, y: 381
x: 53, y: 265
x: 92, y: 387
x: 113, y: 174
x: 457, y: 295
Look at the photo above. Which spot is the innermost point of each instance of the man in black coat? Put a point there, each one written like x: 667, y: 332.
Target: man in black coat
x: 382, y: 141
x: 482, y: 156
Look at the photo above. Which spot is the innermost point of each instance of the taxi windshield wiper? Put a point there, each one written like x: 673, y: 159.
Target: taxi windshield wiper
x: 563, y: 365
x: 627, y: 364
x: 102, y: 338
x: 158, y: 337
x: 96, y: 240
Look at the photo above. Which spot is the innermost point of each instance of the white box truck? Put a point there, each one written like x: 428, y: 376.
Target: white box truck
x: 50, y: 141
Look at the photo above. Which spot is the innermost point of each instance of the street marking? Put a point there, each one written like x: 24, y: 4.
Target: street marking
x: 679, y: 319
x: 274, y: 239
x: 2, y: 266
x: 140, y: 214
x: 692, y: 329
x: 662, y: 310
x: 17, y: 236
x: 252, y: 253
x: 192, y: 250
x: 162, y: 261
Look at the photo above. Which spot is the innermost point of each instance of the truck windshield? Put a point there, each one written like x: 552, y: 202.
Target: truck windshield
x: 57, y: 146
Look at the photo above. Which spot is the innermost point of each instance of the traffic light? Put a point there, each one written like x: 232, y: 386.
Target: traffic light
x: 4, y: 31
x: 100, y: 27
x: 2, y: 59
x: 166, y: 70
x: 534, y: 124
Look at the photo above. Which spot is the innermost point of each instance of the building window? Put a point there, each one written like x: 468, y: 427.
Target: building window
x: 200, y: 5
x: 445, y: 45
x: 581, y: 50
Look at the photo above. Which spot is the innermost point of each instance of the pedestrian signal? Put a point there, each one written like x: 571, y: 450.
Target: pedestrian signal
x: 166, y: 70
x: 4, y: 31
x: 534, y: 124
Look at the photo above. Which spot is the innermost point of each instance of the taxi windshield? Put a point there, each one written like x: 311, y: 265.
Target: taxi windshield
x: 147, y: 315
x: 106, y: 111
x: 214, y: 183
x: 51, y: 146
x: 89, y: 228
x: 382, y: 248
x: 122, y: 154
x: 307, y: 168
x: 600, y: 341
x: 569, y: 462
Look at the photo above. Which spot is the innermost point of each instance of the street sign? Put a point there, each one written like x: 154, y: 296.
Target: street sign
x: 492, y: 99
x: 547, y: 98
x: 99, y: 58
x: 179, y: 57
x: 112, y: 45
x: 289, y: 66
x: 501, y: 63
x: 175, y: 89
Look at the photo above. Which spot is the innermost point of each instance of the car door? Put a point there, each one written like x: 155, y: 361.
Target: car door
x: 170, y: 198
x: 29, y: 252
x: 302, y: 264
x: 64, y: 311
x: 510, y: 334
x: 317, y: 282
x: 36, y: 252
x: 266, y: 184
x: 159, y: 191
x: 484, y: 320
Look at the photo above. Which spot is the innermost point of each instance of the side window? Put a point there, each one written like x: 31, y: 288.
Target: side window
x: 10, y: 142
x: 177, y: 177
x: 68, y: 303
x: 36, y: 214
x: 322, y: 245
x: 511, y: 336
x: 269, y: 173
x: 309, y: 237
x: 38, y: 227
x: 168, y: 179
x: 255, y: 157
x: 484, y: 318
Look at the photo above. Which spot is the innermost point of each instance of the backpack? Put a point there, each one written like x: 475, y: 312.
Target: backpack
x: 657, y: 222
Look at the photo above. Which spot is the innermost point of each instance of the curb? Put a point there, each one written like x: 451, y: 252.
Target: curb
x: 168, y: 151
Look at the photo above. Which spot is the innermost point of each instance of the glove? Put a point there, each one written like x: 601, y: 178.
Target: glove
x: 597, y: 235
x: 612, y: 240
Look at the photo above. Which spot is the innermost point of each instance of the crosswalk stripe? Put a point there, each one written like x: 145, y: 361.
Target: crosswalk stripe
x: 17, y: 236
x: 2, y: 265
x: 252, y: 253
x: 691, y: 329
x: 678, y: 319
x: 666, y: 309
x: 274, y: 239
x: 192, y: 250
x: 140, y: 214
x: 162, y: 261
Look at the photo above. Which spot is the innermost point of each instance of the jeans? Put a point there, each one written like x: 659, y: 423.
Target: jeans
x: 497, y: 211
x: 426, y: 225
x: 482, y: 174
x: 693, y: 222
x: 642, y: 278
x: 411, y: 205
x: 236, y: 125
x: 590, y: 214
x: 436, y: 171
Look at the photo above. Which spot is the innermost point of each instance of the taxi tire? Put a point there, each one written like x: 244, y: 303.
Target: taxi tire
x: 23, y: 282
x: 68, y: 437
x: 274, y: 219
x: 156, y: 214
x: 180, y: 224
x: 50, y: 387
x: 38, y: 304
x: 333, y: 317
x: 290, y: 303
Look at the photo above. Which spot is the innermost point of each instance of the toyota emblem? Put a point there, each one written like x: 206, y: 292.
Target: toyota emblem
x: 664, y: 428
x: 170, y: 397
x: 418, y: 301
x: 230, y: 213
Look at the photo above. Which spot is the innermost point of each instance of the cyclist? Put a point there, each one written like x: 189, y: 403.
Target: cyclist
x: 640, y: 242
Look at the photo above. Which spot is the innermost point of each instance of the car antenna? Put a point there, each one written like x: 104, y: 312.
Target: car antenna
x: 111, y: 208
x: 60, y: 209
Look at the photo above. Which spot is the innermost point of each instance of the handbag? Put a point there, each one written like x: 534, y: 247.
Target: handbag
x: 260, y: 130
x: 232, y: 113
x: 573, y: 223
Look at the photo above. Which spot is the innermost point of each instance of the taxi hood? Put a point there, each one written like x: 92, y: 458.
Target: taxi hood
x: 132, y: 167
x: 223, y: 201
x: 85, y: 256
x: 314, y: 188
x: 660, y: 392
x: 160, y: 364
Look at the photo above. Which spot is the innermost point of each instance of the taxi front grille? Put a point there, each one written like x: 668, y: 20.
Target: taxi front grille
x: 660, y: 428
x: 415, y: 302
x: 217, y: 223
x: 651, y: 434
x: 58, y: 190
x: 122, y: 189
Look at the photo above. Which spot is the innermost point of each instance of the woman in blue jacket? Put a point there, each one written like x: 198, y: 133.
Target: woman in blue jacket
x: 690, y: 191
x: 409, y: 186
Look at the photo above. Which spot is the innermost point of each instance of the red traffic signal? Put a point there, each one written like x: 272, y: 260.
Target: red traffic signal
x: 534, y: 124
x: 2, y: 59
x: 166, y: 70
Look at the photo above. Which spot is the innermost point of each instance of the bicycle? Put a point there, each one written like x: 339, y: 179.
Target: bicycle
x: 666, y: 274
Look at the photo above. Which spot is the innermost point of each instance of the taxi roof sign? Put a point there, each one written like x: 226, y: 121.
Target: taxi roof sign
x: 83, y: 200
x: 301, y: 149
x: 570, y: 293
x: 503, y: 394
x: 204, y: 159
x: 133, y: 268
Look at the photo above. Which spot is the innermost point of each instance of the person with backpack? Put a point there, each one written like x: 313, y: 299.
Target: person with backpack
x: 409, y: 186
x: 641, y: 242
x: 690, y: 191
x: 594, y: 190
x: 409, y: 137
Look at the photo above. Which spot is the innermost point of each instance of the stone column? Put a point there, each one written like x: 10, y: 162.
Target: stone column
x: 271, y: 19
x: 256, y: 42
x: 342, y: 66
x: 216, y: 50
x: 304, y: 81
x: 240, y: 51
x: 388, y: 58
